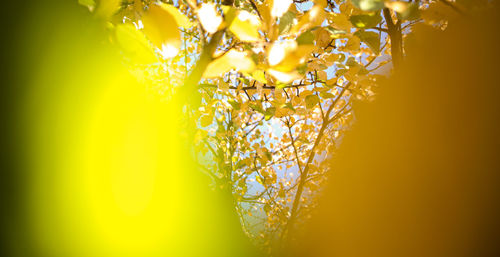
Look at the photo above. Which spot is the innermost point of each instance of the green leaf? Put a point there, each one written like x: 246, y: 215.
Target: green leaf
x: 302, y: 69
x: 326, y: 95
x: 106, y: 8
x: 335, y: 33
x: 281, y: 85
x: 371, y: 39
x: 286, y: 22
x: 351, y: 62
x: 311, y: 101
x: 236, y: 105
x: 340, y: 72
x: 257, y: 106
x: 88, y: 3
x: 259, y: 179
x: 411, y: 13
x: 259, y: 76
x: 134, y: 44
x: 288, y: 105
x: 366, y: 20
x: 306, y: 38
x: 368, y: 5
x: 269, y: 113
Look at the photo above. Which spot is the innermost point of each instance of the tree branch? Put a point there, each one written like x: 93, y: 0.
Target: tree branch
x: 394, y: 31
x: 303, y: 176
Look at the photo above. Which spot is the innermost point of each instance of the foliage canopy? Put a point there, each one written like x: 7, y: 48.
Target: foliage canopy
x: 269, y: 85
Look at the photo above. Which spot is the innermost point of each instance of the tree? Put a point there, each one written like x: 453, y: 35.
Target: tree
x: 269, y: 86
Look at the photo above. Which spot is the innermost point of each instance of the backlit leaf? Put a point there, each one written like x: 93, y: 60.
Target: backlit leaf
x: 368, y: 5
x: 285, y: 77
x: 404, y: 10
x: 106, y: 8
x: 209, y: 17
x: 366, y: 20
x: 88, y: 3
x: 340, y: 21
x: 279, y: 7
x: 161, y: 29
x: 246, y: 26
x: 370, y: 38
x: 180, y: 18
x: 233, y: 59
x: 314, y: 17
x: 286, y: 22
x: 134, y: 44
x: 311, y: 101
x: 305, y: 38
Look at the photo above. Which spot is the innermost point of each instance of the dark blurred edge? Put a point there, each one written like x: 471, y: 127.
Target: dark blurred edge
x: 24, y: 26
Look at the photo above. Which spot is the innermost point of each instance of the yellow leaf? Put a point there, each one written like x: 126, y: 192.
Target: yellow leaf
x: 209, y: 17
x: 206, y: 120
x: 312, y: 18
x: 353, y: 44
x: 280, y: 7
x: 438, y: 11
x: 233, y: 59
x: 397, y: 6
x: 106, y: 8
x: 265, y: 14
x: 340, y: 21
x: 134, y: 44
x: 278, y: 51
x: 246, y: 27
x: 161, y: 29
x: 223, y: 86
x: 181, y: 19
x: 286, y: 56
x: 323, y: 37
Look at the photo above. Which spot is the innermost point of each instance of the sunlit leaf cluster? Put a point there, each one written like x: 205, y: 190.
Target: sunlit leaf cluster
x: 274, y: 83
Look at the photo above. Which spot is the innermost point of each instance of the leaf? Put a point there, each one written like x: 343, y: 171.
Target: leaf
x: 286, y: 22
x: 259, y: 76
x: 269, y: 113
x: 340, y: 21
x: 134, y: 44
x: 223, y: 86
x: 288, y: 55
x: 326, y: 95
x: 314, y: 17
x: 209, y: 17
x: 88, y: 3
x: 206, y: 120
x: 368, y: 5
x: 246, y: 27
x: 106, y: 8
x: 366, y: 20
x: 233, y: 59
x: 280, y: 85
x: 278, y: 51
x: 311, y: 101
x: 257, y: 106
x: 279, y: 7
x: 353, y: 43
x: 285, y: 77
x: 161, y: 29
x: 404, y: 10
x: 259, y: 179
x: 335, y: 33
x: 370, y: 38
x: 181, y: 19
x: 236, y: 105
x: 288, y: 106
x: 306, y: 38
